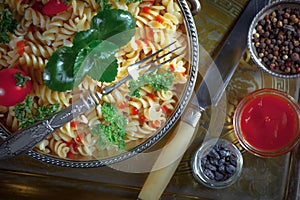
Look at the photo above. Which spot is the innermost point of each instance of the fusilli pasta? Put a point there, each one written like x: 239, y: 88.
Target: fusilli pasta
x: 157, y: 25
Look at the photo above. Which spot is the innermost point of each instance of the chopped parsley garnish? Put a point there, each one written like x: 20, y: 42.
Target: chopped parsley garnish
x: 156, y: 81
x: 7, y: 24
x: 113, y: 127
x: 28, y: 114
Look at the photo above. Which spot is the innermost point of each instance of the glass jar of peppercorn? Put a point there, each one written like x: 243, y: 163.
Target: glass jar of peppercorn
x: 217, y: 163
x: 274, y: 39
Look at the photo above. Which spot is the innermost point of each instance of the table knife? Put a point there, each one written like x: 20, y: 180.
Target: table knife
x: 209, y: 93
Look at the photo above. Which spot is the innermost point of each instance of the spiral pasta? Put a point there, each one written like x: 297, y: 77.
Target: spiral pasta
x: 157, y: 25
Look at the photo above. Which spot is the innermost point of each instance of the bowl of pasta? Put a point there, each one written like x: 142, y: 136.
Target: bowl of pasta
x: 46, y: 65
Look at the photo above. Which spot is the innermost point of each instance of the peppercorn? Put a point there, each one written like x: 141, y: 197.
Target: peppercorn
x: 262, y: 45
x: 270, y: 56
x: 295, y: 56
x: 287, y: 69
x: 259, y: 27
x: 256, y: 35
x: 277, y: 40
x: 286, y: 15
x: 272, y: 66
x: 257, y: 44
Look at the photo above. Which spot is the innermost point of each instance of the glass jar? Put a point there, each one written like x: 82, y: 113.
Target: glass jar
x: 217, y: 163
x: 266, y: 122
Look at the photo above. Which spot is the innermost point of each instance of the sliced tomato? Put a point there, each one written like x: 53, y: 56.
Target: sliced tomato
x: 15, y: 85
x: 20, y: 46
x: 172, y: 68
x: 134, y: 111
x: 151, y: 96
x: 164, y: 109
x: 70, y: 155
x: 146, y: 10
x: 79, y: 137
x: 159, y: 19
x: 142, y: 119
x: 74, y: 124
x: 122, y: 104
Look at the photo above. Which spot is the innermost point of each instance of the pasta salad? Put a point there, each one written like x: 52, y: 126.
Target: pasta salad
x: 39, y: 34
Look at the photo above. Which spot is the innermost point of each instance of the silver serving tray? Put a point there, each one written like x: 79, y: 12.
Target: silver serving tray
x: 185, y: 97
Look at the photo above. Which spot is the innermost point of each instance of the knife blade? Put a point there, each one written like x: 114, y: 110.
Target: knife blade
x: 209, y: 93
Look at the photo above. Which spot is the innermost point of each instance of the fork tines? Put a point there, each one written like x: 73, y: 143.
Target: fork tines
x: 136, y: 68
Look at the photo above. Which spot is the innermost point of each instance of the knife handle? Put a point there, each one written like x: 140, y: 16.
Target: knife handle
x: 170, y: 157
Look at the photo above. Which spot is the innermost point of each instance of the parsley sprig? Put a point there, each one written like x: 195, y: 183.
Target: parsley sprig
x: 7, y: 24
x: 113, y: 127
x: 156, y: 81
x: 28, y: 114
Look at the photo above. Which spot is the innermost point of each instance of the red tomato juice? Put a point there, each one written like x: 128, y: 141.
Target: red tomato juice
x: 269, y: 122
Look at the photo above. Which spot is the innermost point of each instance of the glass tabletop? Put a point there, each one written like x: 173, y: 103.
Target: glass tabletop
x: 276, y: 178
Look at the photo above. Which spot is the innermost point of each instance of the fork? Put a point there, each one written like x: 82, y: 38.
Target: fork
x: 25, y: 139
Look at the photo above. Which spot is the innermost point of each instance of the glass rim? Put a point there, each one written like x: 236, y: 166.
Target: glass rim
x: 198, y: 170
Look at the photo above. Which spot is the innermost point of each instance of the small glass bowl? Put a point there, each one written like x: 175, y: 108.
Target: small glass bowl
x: 264, y: 135
x: 258, y: 57
x: 203, y: 153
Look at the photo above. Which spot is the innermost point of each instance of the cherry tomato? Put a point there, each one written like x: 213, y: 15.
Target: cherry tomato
x: 54, y: 7
x: 13, y: 90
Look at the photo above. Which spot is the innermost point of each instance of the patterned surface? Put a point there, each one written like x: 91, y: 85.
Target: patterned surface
x: 262, y: 179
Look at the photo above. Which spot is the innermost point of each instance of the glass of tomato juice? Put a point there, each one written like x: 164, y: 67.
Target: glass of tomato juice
x: 267, y: 122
